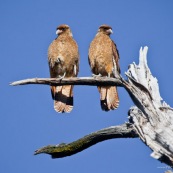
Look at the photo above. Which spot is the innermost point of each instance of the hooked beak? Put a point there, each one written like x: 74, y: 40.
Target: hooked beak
x: 58, y: 31
x: 110, y: 31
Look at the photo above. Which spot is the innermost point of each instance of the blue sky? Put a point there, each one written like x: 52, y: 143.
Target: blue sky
x: 28, y: 120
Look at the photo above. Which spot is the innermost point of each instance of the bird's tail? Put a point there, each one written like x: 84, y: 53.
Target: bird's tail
x: 63, y: 98
x: 108, y: 97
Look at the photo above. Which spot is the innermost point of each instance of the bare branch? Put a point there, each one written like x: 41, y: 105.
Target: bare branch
x: 91, y: 81
x: 62, y: 150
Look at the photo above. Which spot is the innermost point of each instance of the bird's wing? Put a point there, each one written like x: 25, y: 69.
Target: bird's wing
x: 116, y: 56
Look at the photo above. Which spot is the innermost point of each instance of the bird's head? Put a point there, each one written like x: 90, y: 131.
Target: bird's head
x: 106, y: 29
x: 63, y: 29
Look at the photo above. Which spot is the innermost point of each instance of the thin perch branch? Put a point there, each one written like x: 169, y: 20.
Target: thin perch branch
x: 62, y: 150
x: 91, y: 81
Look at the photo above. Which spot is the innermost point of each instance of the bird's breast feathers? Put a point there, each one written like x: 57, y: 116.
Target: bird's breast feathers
x: 63, y: 55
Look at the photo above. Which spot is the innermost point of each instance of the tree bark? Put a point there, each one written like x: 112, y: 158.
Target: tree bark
x: 91, y: 81
x: 62, y: 150
x: 151, y: 119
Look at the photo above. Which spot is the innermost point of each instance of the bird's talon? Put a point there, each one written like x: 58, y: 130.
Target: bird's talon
x: 96, y: 75
x: 61, y: 77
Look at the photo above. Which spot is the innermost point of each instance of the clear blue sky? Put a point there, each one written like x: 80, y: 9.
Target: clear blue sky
x: 28, y: 120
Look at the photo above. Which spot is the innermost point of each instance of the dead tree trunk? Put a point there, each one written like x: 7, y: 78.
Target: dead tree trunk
x: 150, y: 119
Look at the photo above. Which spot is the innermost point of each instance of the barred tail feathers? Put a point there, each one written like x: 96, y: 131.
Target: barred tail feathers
x: 63, y: 98
x: 109, y: 99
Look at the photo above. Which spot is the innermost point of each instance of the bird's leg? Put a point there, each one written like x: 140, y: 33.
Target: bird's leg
x: 61, y: 77
x: 109, y: 75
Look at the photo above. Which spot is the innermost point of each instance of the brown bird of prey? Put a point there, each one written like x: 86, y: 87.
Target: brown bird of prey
x: 63, y: 57
x: 104, y: 61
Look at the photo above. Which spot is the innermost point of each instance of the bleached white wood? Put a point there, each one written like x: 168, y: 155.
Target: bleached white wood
x: 152, y: 118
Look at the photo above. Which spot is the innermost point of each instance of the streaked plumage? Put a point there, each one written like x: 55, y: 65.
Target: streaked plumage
x: 104, y: 59
x: 63, y: 58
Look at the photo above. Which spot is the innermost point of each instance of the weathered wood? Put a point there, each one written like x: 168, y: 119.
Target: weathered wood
x: 91, y: 81
x: 152, y: 118
x: 62, y: 150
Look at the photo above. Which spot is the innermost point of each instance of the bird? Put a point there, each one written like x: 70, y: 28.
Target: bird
x: 103, y: 59
x: 63, y: 60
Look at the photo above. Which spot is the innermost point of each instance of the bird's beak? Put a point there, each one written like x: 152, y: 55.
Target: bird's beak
x: 58, y: 31
x: 110, y: 31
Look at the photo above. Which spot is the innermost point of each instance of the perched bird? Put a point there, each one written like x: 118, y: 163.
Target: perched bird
x: 104, y: 61
x: 63, y: 58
